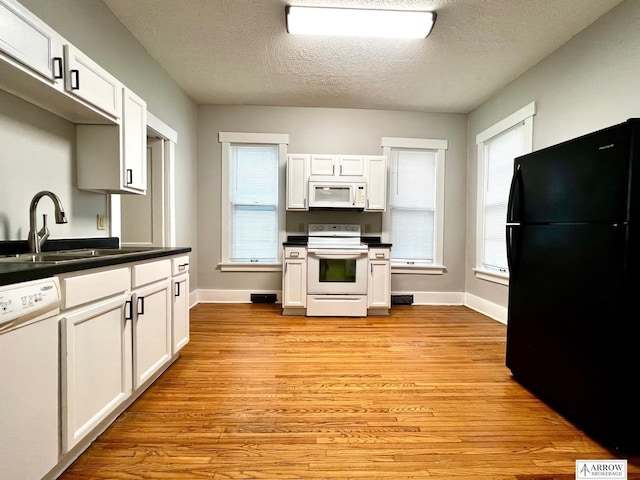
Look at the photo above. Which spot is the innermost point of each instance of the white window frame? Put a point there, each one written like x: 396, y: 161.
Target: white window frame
x: 523, y: 116
x: 440, y: 147
x: 227, y: 139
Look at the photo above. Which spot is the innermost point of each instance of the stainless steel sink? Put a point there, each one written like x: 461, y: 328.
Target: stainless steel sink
x: 64, y: 256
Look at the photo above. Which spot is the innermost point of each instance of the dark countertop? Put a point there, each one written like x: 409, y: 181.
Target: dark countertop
x: 23, y: 272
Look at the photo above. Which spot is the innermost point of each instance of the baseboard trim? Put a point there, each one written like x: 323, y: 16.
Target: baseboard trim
x: 490, y: 309
x: 478, y: 304
x: 230, y: 296
x: 434, y: 298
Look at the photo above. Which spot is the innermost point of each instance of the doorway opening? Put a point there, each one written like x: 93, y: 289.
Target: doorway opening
x: 149, y: 220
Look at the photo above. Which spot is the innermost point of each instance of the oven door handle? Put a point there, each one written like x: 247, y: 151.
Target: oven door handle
x: 323, y: 254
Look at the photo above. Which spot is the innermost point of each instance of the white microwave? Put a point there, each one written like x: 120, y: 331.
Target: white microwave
x: 332, y: 194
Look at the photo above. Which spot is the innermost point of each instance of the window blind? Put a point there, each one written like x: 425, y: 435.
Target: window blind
x: 499, y: 153
x: 254, y: 203
x: 412, y: 200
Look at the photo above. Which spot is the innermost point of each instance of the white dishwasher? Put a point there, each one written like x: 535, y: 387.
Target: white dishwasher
x: 29, y: 409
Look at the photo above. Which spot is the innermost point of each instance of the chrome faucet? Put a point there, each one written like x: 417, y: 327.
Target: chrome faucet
x: 37, y: 238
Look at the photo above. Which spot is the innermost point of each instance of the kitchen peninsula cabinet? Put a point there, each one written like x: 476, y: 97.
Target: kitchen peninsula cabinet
x: 294, y: 280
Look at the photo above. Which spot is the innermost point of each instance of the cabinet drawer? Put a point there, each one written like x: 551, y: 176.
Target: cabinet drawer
x: 295, y: 252
x: 145, y: 273
x: 89, y: 287
x: 179, y: 265
x: 379, y: 253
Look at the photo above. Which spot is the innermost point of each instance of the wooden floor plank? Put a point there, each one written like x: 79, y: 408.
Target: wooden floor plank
x: 421, y: 394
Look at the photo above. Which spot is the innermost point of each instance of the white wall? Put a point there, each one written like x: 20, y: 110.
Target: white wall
x: 92, y: 28
x: 38, y: 153
x: 326, y: 130
x: 589, y: 83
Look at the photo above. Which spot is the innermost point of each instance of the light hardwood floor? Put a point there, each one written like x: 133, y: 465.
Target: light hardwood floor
x: 422, y: 393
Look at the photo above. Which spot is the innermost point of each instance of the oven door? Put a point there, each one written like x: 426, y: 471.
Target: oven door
x: 337, y: 271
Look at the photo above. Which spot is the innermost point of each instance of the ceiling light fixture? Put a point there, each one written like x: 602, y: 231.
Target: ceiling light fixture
x: 359, y: 22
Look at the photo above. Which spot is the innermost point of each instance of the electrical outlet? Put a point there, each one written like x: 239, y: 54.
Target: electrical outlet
x: 100, y: 222
x: 367, y: 228
x: 301, y: 227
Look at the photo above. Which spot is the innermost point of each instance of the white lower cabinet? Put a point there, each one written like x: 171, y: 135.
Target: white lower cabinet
x: 116, y: 334
x: 151, y: 319
x: 151, y: 330
x: 180, y: 303
x: 95, y: 350
x: 294, y: 279
x: 379, y: 285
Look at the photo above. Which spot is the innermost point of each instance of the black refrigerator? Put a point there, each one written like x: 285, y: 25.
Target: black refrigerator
x: 573, y: 332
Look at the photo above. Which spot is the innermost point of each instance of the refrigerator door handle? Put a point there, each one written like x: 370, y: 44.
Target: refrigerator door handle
x: 511, y: 232
x: 515, y: 182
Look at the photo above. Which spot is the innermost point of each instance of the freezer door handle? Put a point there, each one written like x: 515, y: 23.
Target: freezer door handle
x: 515, y: 183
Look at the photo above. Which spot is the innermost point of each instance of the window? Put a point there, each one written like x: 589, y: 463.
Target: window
x: 414, y: 219
x: 252, y: 200
x: 497, y: 148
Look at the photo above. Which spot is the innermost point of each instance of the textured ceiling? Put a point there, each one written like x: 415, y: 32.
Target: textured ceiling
x: 237, y: 52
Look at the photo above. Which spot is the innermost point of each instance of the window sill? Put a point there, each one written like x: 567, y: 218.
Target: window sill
x: 489, y: 276
x: 417, y: 269
x: 250, y: 267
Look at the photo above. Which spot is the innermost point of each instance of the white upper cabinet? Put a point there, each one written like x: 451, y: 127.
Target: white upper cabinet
x: 297, y: 181
x: 30, y: 41
x: 302, y: 167
x: 113, y: 158
x: 337, y: 165
x: 38, y: 65
x: 350, y: 165
x: 86, y: 79
x: 376, y: 176
x: 134, y: 142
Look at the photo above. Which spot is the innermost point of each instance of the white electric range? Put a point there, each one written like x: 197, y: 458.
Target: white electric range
x: 337, y: 271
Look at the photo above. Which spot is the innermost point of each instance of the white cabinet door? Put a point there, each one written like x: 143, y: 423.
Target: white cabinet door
x: 376, y: 175
x: 89, y: 81
x: 379, y: 294
x: 113, y: 158
x: 379, y: 289
x: 151, y: 330
x: 351, y: 165
x: 294, y: 289
x: 294, y: 277
x: 180, y: 311
x: 323, y: 164
x: 134, y: 141
x: 297, y: 182
x: 30, y: 41
x: 95, y: 366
